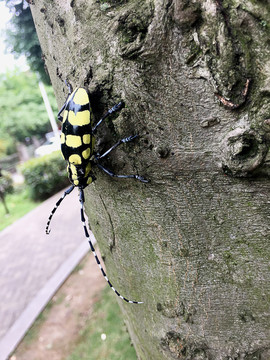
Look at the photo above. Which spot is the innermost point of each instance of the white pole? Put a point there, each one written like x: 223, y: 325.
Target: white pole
x: 49, y: 111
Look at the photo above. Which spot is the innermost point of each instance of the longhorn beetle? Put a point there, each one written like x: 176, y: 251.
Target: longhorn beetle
x: 77, y: 146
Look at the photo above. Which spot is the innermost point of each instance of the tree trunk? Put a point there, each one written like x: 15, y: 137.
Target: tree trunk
x: 2, y: 197
x: 192, y: 244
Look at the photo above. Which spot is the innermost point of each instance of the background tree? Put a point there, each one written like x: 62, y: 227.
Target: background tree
x: 23, y: 113
x: 21, y: 37
x: 192, y: 244
x: 6, y: 187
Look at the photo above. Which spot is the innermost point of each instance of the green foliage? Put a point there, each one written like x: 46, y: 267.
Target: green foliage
x: 21, y: 37
x: 45, y: 176
x: 23, y: 113
x: 7, y: 146
x: 106, y: 319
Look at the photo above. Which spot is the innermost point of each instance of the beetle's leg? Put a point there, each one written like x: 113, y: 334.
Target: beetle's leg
x: 109, y: 172
x: 68, y: 191
x: 60, y: 117
x: 95, y: 254
x: 115, y: 108
x: 122, y: 141
x: 70, y: 89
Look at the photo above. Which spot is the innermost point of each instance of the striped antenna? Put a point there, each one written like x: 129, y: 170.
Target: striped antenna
x: 95, y: 254
x: 68, y: 191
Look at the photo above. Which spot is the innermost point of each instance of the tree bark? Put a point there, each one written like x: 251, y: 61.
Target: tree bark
x: 193, y: 243
x: 2, y: 197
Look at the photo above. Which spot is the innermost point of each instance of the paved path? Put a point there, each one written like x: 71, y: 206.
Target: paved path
x: 33, y: 265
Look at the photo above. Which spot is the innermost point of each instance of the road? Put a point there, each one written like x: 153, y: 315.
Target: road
x: 33, y: 265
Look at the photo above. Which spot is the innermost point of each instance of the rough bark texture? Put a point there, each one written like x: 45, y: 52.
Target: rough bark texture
x: 194, y: 243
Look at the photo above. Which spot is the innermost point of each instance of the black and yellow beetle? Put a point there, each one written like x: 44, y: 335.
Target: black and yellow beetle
x: 77, y: 146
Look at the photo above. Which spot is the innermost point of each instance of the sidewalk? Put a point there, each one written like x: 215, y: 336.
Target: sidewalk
x: 33, y: 265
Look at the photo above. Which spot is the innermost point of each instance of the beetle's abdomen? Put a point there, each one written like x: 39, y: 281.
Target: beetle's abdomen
x: 77, y: 141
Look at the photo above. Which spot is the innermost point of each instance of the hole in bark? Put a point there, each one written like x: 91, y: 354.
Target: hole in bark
x: 60, y: 21
x: 163, y: 152
x: 245, y: 148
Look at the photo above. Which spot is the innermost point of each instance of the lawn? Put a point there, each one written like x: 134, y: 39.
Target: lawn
x: 104, y: 336
x: 19, y: 204
x: 82, y: 321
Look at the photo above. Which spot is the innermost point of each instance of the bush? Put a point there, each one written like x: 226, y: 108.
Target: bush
x: 45, y: 176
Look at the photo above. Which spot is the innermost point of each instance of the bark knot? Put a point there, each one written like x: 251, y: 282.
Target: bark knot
x: 181, y: 348
x: 244, y: 151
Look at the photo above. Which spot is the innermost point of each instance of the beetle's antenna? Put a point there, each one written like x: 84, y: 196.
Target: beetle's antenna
x: 95, y: 254
x: 68, y: 191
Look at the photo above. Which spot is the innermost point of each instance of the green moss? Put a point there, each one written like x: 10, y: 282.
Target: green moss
x: 134, y: 22
x: 133, y: 26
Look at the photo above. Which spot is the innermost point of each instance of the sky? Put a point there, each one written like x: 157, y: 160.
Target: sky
x: 7, y: 61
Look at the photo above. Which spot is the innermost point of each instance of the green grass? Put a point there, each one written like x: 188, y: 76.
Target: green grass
x: 33, y: 332
x: 106, y: 319
x: 19, y: 204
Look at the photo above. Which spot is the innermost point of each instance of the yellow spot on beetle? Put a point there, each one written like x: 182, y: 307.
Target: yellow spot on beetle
x: 86, y: 153
x: 75, y: 159
x: 80, y: 119
x: 62, y: 138
x: 73, y: 169
x: 86, y: 139
x: 65, y: 116
x: 89, y: 180
x: 87, y: 169
x: 76, y: 182
x: 73, y: 141
x: 81, y: 97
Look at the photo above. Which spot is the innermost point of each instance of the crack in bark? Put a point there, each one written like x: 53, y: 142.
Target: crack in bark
x: 225, y: 16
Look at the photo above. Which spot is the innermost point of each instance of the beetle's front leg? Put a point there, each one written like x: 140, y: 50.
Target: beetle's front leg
x: 122, y: 141
x: 112, y: 174
x: 115, y: 108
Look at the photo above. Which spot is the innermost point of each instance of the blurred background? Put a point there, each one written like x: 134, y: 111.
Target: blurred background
x: 33, y: 266
x: 29, y: 134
